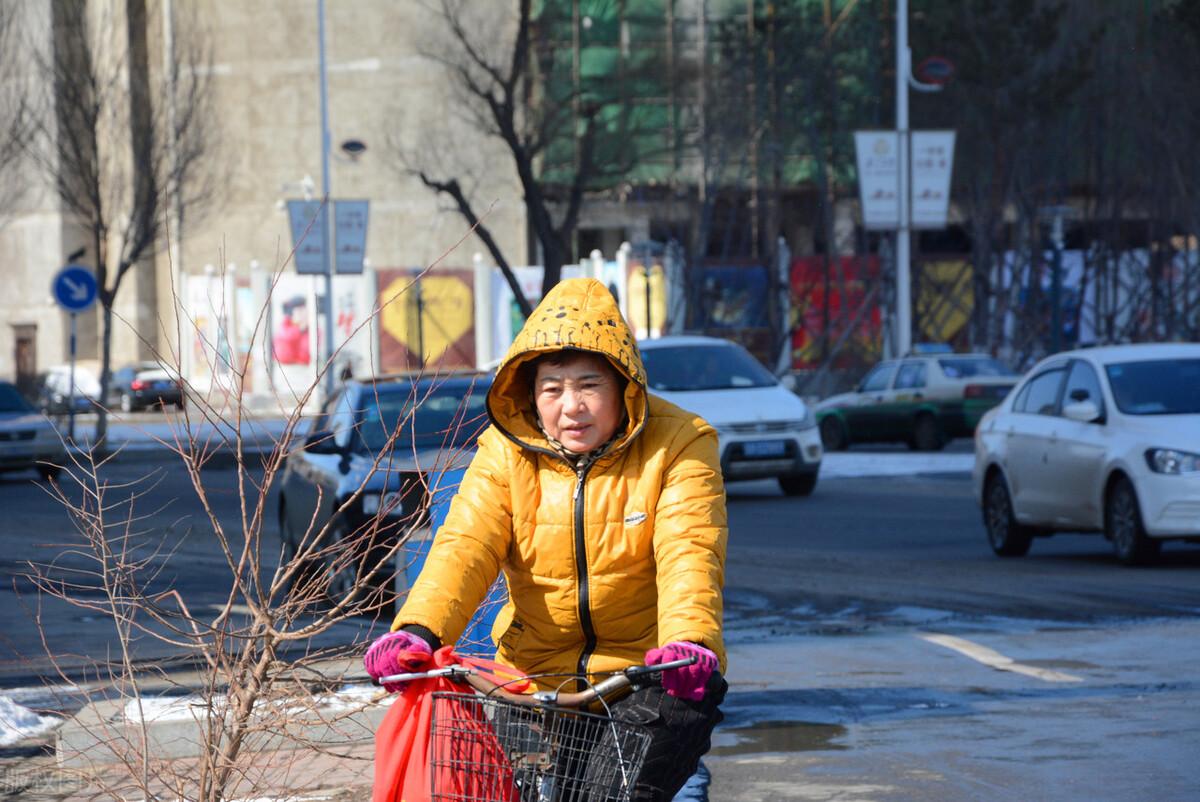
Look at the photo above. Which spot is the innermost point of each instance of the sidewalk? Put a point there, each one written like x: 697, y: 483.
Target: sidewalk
x: 153, y: 435
x: 321, y: 752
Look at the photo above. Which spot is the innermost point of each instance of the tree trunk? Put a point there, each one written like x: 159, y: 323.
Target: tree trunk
x: 106, y: 300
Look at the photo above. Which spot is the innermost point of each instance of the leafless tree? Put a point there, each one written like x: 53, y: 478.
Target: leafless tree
x: 14, y: 113
x: 517, y: 82
x: 122, y: 140
x: 266, y: 658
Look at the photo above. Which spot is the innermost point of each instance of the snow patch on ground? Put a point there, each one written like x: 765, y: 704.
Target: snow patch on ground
x: 853, y: 464
x: 18, y: 723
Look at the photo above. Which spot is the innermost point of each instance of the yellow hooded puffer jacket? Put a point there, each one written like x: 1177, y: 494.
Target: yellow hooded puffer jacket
x: 597, y: 574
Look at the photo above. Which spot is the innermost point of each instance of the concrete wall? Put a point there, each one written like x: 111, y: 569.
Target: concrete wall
x: 381, y: 91
x: 266, y: 119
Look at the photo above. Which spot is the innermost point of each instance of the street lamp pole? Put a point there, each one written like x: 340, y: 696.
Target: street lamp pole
x: 328, y: 203
x: 903, y: 278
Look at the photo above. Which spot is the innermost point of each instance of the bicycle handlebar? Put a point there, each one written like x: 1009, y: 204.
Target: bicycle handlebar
x: 485, y: 686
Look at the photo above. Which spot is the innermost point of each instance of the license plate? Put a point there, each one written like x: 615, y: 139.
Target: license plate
x: 765, y: 448
x: 162, y: 385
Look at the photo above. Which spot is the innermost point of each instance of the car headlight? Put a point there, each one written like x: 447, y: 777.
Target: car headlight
x: 1170, y: 460
x: 389, y: 503
x: 809, y: 420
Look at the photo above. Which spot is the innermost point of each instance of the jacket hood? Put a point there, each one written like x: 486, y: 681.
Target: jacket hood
x: 577, y: 314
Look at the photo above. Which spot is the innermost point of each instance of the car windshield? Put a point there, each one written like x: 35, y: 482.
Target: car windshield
x: 966, y: 367
x: 1157, y: 387
x: 12, y: 401
x: 683, y: 368
x: 444, y: 417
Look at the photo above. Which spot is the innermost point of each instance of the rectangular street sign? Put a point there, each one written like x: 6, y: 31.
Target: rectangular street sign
x: 350, y: 237
x: 308, y: 235
x: 932, y: 163
x: 878, y: 178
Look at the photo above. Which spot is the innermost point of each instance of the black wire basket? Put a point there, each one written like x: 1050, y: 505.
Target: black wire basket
x: 485, y: 749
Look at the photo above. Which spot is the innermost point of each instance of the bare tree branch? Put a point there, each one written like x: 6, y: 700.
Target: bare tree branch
x: 121, y: 140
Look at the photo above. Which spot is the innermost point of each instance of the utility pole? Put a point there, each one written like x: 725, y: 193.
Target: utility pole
x: 326, y: 201
x: 903, y: 277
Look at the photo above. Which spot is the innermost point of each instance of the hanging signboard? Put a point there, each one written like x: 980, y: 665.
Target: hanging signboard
x: 932, y: 162
x: 878, y: 178
x: 308, y: 235
x: 350, y: 237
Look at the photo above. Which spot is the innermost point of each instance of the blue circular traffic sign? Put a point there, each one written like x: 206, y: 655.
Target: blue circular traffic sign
x: 75, y: 288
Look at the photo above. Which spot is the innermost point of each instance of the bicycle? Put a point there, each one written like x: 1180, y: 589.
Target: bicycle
x: 493, y: 745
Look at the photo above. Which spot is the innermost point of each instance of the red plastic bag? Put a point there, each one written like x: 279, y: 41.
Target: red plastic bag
x: 402, y: 759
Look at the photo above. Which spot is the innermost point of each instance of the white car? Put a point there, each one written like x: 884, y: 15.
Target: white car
x: 56, y: 394
x: 765, y: 430
x: 1099, y: 439
x: 27, y: 439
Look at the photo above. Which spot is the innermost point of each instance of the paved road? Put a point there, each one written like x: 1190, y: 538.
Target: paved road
x: 170, y: 530
x: 870, y: 545
x: 878, y: 649
x: 919, y: 541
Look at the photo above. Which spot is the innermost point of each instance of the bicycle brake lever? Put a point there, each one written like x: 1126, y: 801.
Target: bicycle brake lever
x: 637, y: 671
x: 456, y: 673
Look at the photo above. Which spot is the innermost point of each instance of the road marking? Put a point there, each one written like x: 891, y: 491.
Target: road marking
x: 993, y: 658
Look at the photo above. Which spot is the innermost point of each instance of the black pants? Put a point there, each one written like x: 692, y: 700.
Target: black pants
x: 680, y: 734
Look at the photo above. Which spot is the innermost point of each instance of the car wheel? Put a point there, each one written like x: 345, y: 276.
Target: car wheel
x: 927, y: 434
x: 798, y: 484
x: 358, y: 561
x: 833, y: 434
x: 181, y: 403
x: 300, y: 585
x: 1007, y: 536
x: 126, y: 402
x: 341, y: 570
x: 1123, y: 526
x: 49, y: 472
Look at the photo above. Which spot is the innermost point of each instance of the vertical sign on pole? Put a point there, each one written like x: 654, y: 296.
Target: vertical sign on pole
x: 75, y: 290
x: 878, y: 162
x: 308, y: 220
x: 932, y: 162
x: 350, y: 234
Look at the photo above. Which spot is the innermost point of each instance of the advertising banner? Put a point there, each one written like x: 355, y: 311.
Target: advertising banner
x: 878, y: 178
x: 645, y: 305
x: 294, y: 345
x: 932, y: 162
x: 833, y: 309
x: 309, y: 222
x: 426, y: 323
x: 350, y: 235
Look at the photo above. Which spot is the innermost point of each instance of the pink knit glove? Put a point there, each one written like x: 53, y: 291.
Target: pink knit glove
x: 687, y: 682
x: 397, y: 652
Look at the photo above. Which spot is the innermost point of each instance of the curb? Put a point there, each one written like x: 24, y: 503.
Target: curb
x: 111, y: 731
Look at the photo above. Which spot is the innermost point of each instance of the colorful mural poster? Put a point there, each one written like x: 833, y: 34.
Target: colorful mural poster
x: 944, y: 299
x: 729, y: 297
x: 426, y: 323
x: 850, y: 310
x: 635, y: 304
x: 294, y: 345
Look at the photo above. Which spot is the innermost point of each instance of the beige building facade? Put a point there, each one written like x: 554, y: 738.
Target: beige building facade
x: 388, y: 101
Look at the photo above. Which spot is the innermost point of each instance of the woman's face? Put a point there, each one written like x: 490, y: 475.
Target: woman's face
x: 578, y: 401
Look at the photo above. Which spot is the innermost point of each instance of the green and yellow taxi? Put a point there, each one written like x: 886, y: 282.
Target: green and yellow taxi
x: 924, y: 400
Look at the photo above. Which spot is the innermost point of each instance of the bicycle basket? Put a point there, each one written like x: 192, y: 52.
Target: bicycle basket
x: 485, y: 749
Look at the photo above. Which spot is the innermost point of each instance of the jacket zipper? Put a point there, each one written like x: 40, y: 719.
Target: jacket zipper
x: 581, y: 576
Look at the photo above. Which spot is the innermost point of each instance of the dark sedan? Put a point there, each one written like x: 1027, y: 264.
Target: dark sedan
x: 360, y: 481
x: 144, y: 385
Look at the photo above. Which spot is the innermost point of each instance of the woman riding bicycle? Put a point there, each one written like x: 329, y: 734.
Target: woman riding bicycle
x: 605, y: 508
